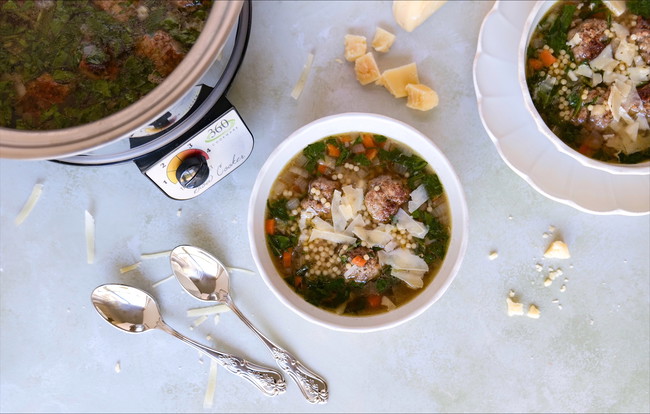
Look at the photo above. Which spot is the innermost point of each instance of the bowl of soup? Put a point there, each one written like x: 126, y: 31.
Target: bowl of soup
x: 357, y: 222
x: 584, y: 70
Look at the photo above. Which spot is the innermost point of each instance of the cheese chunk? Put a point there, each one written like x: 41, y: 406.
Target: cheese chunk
x: 355, y: 47
x: 533, y: 312
x: 411, y: 13
x: 366, y: 69
x: 557, y: 250
x: 396, y: 79
x: 514, y: 308
x: 421, y: 97
x: 383, y: 40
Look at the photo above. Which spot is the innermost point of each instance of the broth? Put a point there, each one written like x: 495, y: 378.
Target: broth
x: 357, y: 224
x: 587, y: 72
x: 69, y: 62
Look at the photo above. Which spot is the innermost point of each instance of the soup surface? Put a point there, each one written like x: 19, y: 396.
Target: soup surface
x: 357, y: 224
x: 69, y: 62
x: 588, y: 72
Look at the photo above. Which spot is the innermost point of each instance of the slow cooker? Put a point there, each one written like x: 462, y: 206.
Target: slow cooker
x: 185, y: 135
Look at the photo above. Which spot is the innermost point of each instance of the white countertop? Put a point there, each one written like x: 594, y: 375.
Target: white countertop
x: 464, y: 354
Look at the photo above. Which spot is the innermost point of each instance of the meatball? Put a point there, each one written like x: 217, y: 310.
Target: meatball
x: 368, y: 271
x: 385, y: 196
x: 644, y: 94
x: 596, y: 96
x: 42, y: 93
x: 319, y: 195
x: 592, y: 39
x: 642, y: 33
x: 162, y: 49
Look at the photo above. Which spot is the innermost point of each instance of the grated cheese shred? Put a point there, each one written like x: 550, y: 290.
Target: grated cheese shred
x: 300, y: 85
x: 29, y: 205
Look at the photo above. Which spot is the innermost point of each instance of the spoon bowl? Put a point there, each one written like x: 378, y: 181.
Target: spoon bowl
x: 133, y: 310
x: 206, y: 278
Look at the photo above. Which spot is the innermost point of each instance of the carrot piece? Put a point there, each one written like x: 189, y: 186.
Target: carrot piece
x: 374, y: 300
x: 535, y: 64
x: 333, y: 150
x: 371, y: 153
x: 346, y: 139
x: 322, y: 168
x: 269, y: 226
x: 297, y: 281
x: 286, y: 258
x: 358, y: 261
x: 547, y: 58
x: 367, y: 141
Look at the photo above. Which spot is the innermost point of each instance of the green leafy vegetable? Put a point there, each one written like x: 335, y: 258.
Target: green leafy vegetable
x: 278, y: 209
x: 557, y: 35
x: 314, y: 152
x: 279, y: 243
x: 639, y: 7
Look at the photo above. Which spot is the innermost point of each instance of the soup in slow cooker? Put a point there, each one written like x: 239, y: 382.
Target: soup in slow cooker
x: 357, y: 224
x: 65, y: 63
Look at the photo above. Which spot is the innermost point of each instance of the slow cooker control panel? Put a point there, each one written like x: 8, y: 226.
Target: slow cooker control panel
x: 204, y: 159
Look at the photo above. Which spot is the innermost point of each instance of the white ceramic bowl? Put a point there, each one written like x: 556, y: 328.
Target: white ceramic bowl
x: 536, y: 14
x: 398, y: 131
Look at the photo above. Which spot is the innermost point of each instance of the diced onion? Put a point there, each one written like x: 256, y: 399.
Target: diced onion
x: 300, y: 85
x: 299, y: 171
x: 207, y: 310
x: 293, y: 203
x: 145, y: 256
x: 129, y: 268
x: 29, y: 205
x: 208, y: 399
x: 358, y: 149
x: 387, y: 303
x: 90, y: 237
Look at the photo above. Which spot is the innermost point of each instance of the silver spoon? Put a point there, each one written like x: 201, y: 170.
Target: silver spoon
x: 206, y: 278
x: 133, y: 310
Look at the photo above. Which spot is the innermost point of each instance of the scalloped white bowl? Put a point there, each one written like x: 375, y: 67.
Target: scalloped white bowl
x: 536, y: 14
x: 398, y: 131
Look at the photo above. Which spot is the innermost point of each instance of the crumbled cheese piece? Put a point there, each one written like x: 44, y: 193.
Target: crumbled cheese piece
x: 208, y: 398
x: 396, y: 79
x: 548, y: 282
x: 118, y: 367
x: 511, y: 293
x: 198, y: 321
x: 90, y: 237
x: 557, y: 250
x: 300, y: 85
x: 539, y: 267
x: 355, y: 47
x: 409, y: 14
x: 207, y: 310
x: 383, y: 40
x: 145, y: 256
x: 533, y: 312
x: 563, y: 288
x: 161, y: 281
x: 366, y: 69
x: 421, y: 97
x: 179, y: 212
x: 493, y: 255
x: 514, y: 308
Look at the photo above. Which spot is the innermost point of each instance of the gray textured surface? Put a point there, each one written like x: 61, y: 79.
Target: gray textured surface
x: 463, y: 355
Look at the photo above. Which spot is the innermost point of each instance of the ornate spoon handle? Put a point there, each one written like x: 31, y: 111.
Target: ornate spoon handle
x: 312, y: 386
x: 268, y: 380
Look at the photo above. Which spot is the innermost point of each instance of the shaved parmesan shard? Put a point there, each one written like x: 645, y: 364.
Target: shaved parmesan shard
x: 373, y: 237
x: 402, y: 259
x: 90, y: 237
x: 338, y: 238
x: 208, y: 398
x: 300, y: 85
x: 421, y: 97
x: 207, y: 310
x: 410, y: 277
x: 321, y: 224
x: 356, y: 222
x: 161, y: 281
x: 584, y: 70
x: 557, y: 250
x: 603, y: 60
x: 575, y: 40
x: 129, y: 268
x: 29, y: 205
x: 145, y: 256
x: 353, y: 197
x: 419, y: 196
x: 338, y: 219
x: 406, y: 222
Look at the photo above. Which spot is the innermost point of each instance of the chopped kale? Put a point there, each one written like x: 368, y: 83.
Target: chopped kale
x: 278, y: 209
x: 279, y: 243
x: 557, y: 35
x: 639, y: 7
